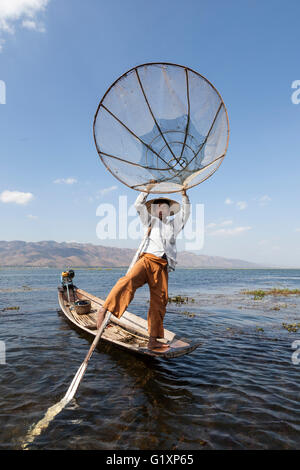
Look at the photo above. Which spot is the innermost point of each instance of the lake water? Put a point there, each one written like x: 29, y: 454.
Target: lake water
x: 238, y: 390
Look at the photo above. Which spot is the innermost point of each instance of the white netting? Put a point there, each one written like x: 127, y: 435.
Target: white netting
x: 161, y: 122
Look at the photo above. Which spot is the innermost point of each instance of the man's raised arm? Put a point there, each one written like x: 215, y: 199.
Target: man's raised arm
x: 141, y: 208
x: 181, y: 218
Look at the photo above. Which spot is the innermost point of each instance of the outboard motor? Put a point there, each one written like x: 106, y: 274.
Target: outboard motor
x: 67, y: 277
x: 67, y: 281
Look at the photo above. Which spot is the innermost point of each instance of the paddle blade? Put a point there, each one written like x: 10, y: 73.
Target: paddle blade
x: 55, y: 409
x: 75, y: 382
x: 37, y: 429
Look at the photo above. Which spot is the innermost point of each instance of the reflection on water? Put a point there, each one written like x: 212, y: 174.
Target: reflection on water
x: 239, y: 390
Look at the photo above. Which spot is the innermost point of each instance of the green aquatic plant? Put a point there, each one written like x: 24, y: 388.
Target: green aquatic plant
x: 202, y: 443
x: 9, y: 308
x: 259, y: 329
x: 291, y: 327
x: 178, y: 299
x: 279, y: 306
x: 188, y: 314
x: 260, y: 294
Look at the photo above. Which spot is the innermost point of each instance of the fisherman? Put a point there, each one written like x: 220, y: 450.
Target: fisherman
x: 157, y: 259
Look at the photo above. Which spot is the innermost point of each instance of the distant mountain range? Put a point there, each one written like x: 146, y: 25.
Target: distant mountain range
x: 67, y: 255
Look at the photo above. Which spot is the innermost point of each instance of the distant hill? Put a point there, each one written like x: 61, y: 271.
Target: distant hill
x: 62, y: 255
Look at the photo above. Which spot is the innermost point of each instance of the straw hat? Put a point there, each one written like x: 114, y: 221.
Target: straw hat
x: 174, y: 205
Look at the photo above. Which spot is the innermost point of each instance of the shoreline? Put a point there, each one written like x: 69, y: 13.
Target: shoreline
x: 99, y: 268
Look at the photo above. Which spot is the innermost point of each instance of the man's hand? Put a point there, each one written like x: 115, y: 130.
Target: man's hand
x: 100, y: 317
x: 150, y: 185
x: 183, y: 192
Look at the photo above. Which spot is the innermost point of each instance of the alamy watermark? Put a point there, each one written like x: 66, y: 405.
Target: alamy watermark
x: 296, y: 94
x: 123, y: 223
x: 296, y: 354
x: 2, y: 353
x: 2, y: 92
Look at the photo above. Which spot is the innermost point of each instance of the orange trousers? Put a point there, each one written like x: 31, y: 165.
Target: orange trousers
x: 153, y: 270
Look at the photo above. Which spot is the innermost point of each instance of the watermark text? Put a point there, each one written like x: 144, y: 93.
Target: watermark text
x: 2, y: 92
x: 2, y: 353
x: 296, y: 354
x: 123, y: 223
x: 296, y: 94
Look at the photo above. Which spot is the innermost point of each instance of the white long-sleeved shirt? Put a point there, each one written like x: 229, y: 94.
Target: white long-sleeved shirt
x: 162, y: 238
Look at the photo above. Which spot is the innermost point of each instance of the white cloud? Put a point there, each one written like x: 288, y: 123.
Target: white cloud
x: 33, y: 25
x: 32, y: 217
x: 76, y: 241
x: 211, y: 225
x: 16, y: 197
x: 101, y: 192
x: 242, y: 205
x: 226, y: 222
x: 104, y: 191
x: 263, y: 201
x: 231, y: 231
x: 222, y: 228
x: 13, y: 11
x: 65, y: 181
x: 297, y: 230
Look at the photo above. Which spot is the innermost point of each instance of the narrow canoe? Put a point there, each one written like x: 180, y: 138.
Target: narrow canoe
x: 128, y: 332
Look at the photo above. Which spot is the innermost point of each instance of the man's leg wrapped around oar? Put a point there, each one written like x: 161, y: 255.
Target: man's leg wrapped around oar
x: 148, y: 269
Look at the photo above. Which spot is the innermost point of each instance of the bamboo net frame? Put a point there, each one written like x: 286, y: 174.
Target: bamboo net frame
x: 178, y: 152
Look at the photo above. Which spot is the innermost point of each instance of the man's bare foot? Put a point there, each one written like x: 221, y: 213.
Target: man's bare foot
x: 100, y: 317
x: 157, y: 346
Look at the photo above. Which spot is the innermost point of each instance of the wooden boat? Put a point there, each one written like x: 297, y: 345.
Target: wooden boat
x: 128, y: 332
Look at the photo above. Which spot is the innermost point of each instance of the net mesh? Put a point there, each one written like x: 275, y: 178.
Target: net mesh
x: 161, y: 123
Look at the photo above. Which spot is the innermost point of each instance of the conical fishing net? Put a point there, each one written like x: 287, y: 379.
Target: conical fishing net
x: 163, y: 123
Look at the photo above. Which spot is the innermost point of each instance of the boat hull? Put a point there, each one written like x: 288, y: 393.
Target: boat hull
x: 128, y: 332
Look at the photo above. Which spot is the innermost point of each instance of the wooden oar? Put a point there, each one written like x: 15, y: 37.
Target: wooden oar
x: 58, y: 407
x: 81, y: 371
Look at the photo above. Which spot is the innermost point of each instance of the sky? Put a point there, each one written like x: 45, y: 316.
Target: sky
x: 58, y: 58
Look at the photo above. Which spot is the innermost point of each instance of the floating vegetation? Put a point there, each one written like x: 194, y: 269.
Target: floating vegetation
x: 9, y: 308
x: 291, y: 327
x: 188, y: 314
x: 202, y: 443
x: 260, y: 294
x: 279, y: 306
x: 178, y: 299
x: 27, y: 288
x: 259, y: 329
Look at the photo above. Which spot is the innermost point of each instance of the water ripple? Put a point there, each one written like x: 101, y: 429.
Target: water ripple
x: 239, y: 390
